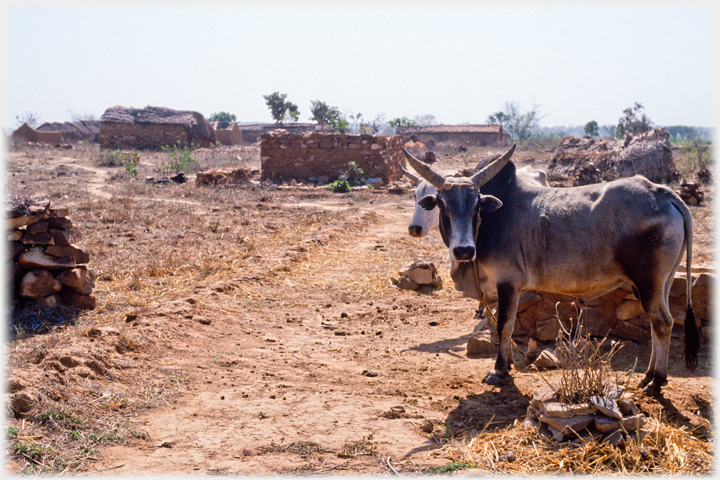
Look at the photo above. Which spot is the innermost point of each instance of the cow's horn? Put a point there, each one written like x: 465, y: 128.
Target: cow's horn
x: 483, y: 176
x: 425, y: 171
x: 411, y: 176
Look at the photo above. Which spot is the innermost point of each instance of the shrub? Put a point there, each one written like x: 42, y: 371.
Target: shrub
x: 180, y: 159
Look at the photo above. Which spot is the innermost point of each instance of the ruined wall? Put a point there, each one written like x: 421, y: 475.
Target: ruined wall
x: 286, y: 156
x: 229, y: 136
x: 142, y: 136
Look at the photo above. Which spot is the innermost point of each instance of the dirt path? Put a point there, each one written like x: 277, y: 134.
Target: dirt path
x: 262, y: 372
x: 275, y: 381
x: 294, y: 374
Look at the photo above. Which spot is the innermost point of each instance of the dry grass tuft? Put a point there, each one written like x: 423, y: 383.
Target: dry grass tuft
x: 664, y: 450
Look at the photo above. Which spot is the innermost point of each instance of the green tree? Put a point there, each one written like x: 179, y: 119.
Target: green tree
x: 340, y: 124
x: 402, y: 122
x: 592, y: 129
x: 520, y: 125
x: 223, y: 118
x: 280, y: 109
x: 323, y: 113
x: 634, y: 121
x: 497, y: 118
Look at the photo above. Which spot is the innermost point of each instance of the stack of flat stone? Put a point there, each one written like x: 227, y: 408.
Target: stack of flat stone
x: 419, y: 276
x: 45, y: 267
x: 612, y: 418
x: 691, y: 193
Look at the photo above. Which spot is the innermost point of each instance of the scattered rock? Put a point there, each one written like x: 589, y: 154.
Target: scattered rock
x: 369, y: 373
x: 419, y: 276
x: 566, y: 410
x: 607, y: 406
x: 546, y: 360
x: 568, y: 425
x: 480, y: 344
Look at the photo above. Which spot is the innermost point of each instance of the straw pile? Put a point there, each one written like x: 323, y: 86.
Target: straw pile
x: 521, y: 449
x: 645, y: 154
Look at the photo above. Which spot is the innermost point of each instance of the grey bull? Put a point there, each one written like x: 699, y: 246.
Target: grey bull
x: 425, y: 221
x: 582, y: 241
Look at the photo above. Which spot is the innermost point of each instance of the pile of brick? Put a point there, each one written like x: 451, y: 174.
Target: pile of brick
x: 691, y: 193
x: 610, y: 418
x: 45, y: 266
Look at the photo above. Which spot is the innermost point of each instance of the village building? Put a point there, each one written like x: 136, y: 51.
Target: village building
x: 152, y: 128
x: 25, y: 133
x: 72, y: 132
x: 479, y: 135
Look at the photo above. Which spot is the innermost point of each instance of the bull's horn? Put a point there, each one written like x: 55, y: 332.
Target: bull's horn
x: 412, y: 176
x: 425, y: 171
x: 483, y: 176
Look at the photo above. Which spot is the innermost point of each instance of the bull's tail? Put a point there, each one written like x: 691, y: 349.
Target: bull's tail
x: 692, y: 335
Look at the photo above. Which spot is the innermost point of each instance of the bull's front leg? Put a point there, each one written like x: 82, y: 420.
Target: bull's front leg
x: 508, y: 297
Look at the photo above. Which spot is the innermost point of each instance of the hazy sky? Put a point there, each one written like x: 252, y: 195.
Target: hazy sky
x: 460, y: 62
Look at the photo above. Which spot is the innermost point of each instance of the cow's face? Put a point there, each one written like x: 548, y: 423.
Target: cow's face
x: 423, y: 221
x: 459, y: 208
x: 459, y: 201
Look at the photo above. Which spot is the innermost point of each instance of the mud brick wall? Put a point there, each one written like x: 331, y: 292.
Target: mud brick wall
x: 142, y: 136
x: 45, y: 267
x: 286, y: 156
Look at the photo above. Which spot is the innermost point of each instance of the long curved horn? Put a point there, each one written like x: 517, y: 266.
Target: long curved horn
x: 411, y: 176
x: 483, y: 176
x: 425, y: 171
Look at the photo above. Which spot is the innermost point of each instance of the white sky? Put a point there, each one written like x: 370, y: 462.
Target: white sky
x: 460, y: 62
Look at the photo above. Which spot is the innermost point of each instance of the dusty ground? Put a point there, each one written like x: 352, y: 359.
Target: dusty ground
x: 235, y: 325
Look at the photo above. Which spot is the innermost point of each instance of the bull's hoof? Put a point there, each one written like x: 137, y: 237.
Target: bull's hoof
x: 645, y: 381
x: 493, y: 378
x: 652, y: 390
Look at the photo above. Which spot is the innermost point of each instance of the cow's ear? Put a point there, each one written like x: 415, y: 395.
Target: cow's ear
x: 428, y: 202
x: 489, y: 203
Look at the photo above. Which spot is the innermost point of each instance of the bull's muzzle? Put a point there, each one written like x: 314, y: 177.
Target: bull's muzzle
x: 415, y: 230
x: 464, y: 253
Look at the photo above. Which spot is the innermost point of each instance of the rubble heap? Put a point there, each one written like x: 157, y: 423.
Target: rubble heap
x: 647, y: 154
x: 45, y: 266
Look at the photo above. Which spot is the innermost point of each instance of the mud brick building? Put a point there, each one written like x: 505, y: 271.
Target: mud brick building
x: 151, y: 128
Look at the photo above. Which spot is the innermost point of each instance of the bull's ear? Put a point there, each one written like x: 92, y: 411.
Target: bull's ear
x: 489, y: 203
x: 428, y: 202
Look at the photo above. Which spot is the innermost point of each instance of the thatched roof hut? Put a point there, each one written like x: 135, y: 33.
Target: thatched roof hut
x: 154, y: 127
x: 87, y: 130
x: 647, y: 154
x: 25, y: 133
